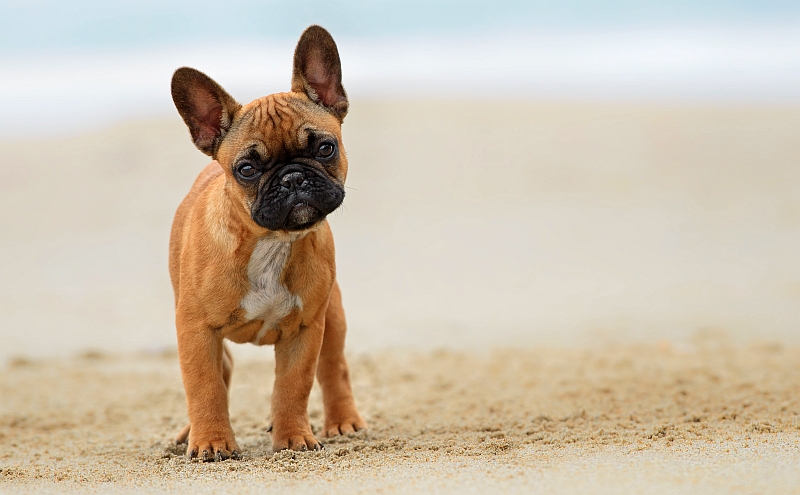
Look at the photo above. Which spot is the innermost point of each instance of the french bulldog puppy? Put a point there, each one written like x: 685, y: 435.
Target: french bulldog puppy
x: 251, y: 252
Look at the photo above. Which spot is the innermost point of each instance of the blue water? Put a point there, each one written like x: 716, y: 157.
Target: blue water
x: 65, y: 65
x: 45, y: 25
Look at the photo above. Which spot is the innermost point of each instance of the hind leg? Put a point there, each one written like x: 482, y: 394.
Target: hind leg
x: 227, y: 371
x: 333, y: 374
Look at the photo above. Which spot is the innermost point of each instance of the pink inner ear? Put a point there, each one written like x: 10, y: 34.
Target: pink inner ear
x: 208, y: 112
x: 319, y: 78
x: 326, y: 95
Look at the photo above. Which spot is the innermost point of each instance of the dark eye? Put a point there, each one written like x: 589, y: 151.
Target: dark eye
x: 326, y: 150
x: 247, y: 170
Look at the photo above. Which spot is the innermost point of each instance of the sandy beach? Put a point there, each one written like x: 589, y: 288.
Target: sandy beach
x: 542, y: 297
x: 636, y: 419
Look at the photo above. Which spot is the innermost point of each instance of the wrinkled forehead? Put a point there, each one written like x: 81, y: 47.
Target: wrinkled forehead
x: 282, y: 122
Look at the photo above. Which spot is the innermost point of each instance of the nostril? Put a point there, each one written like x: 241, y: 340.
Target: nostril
x: 295, y: 179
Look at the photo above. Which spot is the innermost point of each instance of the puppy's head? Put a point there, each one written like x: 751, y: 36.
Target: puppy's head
x: 282, y: 154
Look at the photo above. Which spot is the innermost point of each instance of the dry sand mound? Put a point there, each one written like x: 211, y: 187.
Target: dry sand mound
x: 623, y: 419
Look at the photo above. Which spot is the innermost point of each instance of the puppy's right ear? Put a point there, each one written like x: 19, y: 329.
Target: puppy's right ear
x: 205, y: 107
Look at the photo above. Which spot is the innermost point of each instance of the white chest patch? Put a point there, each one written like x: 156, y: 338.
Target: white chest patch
x: 268, y: 299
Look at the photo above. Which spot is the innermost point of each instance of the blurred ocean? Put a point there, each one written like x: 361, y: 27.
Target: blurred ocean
x: 89, y: 87
x: 84, y: 63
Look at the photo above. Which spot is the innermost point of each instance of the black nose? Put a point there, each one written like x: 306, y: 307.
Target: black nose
x: 293, y: 180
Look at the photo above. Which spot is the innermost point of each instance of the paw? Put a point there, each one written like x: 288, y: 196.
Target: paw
x: 213, y: 447
x: 345, y: 427
x: 296, y: 440
x: 343, y: 422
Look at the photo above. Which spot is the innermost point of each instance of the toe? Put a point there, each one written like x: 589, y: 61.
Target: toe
x: 344, y: 428
x: 299, y: 443
x: 223, y: 450
x: 313, y: 444
x: 214, y: 450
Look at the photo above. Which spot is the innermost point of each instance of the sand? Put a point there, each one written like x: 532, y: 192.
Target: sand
x: 542, y: 298
x: 466, y: 225
x: 638, y: 419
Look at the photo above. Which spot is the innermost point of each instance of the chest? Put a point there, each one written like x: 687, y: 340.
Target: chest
x: 268, y: 299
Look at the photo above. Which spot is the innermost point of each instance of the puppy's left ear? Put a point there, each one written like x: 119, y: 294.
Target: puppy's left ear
x: 318, y: 71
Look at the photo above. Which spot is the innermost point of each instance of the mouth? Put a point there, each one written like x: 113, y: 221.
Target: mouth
x: 302, y: 216
x: 295, y: 198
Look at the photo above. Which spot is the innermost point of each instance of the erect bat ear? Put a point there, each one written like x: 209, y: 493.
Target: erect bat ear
x: 318, y: 71
x: 205, y: 107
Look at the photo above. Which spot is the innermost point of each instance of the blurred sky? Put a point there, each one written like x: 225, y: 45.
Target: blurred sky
x: 68, y: 64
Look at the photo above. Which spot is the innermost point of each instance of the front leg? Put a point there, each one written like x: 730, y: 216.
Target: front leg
x: 341, y: 414
x: 296, y: 358
x: 200, y: 352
